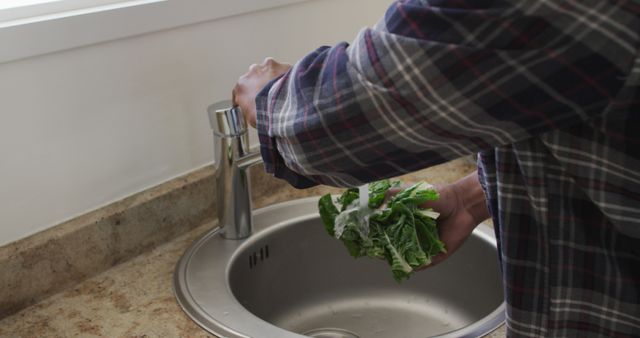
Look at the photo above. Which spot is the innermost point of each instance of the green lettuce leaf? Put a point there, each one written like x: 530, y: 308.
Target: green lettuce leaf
x: 401, y: 232
x: 328, y: 213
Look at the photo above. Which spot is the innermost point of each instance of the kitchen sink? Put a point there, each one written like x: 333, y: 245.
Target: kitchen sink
x: 290, y: 279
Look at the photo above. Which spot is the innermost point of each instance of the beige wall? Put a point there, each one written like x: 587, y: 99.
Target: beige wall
x: 84, y: 127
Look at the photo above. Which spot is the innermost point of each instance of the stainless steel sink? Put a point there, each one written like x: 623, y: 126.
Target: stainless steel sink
x: 291, y: 279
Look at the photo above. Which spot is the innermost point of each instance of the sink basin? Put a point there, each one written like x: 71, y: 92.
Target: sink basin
x: 290, y: 279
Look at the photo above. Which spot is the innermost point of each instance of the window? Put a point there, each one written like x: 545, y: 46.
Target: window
x: 36, y: 27
x: 16, y: 11
x: 21, y: 3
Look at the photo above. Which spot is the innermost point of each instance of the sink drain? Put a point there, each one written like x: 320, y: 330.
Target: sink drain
x: 329, y: 332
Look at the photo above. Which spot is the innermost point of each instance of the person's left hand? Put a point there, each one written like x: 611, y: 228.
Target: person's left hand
x: 251, y: 83
x: 462, y: 206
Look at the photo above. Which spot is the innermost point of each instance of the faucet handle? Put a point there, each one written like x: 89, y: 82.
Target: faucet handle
x: 226, y: 120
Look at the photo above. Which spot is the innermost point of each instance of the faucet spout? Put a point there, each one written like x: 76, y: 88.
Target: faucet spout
x: 233, y: 157
x: 250, y: 159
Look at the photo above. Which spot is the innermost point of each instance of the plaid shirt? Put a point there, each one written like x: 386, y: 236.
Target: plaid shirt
x: 547, y: 91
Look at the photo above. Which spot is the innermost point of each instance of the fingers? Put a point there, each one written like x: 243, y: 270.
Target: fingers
x: 250, y: 84
x: 439, y: 205
x: 435, y: 260
x: 268, y: 66
x: 261, y: 73
x: 269, y: 61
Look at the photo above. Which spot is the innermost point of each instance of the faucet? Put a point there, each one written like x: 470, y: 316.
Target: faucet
x: 232, y: 159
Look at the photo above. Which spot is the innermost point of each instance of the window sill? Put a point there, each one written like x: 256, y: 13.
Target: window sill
x: 51, y: 33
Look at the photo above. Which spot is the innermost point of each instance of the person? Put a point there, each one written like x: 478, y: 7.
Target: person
x: 546, y: 92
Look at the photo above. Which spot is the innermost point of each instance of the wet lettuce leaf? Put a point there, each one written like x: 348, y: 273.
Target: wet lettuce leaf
x: 401, y: 232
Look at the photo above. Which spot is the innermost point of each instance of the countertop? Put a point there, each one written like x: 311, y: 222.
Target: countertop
x: 135, y: 298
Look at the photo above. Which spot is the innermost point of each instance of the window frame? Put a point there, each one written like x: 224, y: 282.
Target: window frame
x: 107, y: 20
x: 42, y: 8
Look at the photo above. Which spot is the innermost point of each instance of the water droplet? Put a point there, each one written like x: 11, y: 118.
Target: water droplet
x: 333, y: 311
x: 363, y: 192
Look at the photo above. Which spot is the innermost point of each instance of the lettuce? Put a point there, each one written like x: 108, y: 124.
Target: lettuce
x: 401, y: 232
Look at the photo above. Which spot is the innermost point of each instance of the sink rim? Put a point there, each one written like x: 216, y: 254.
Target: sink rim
x: 227, y: 310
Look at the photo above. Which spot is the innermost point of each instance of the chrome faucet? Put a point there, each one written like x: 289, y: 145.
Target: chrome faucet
x: 232, y: 159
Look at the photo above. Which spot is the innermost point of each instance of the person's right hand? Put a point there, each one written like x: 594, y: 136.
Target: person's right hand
x: 462, y: 206
x: 250, y: 84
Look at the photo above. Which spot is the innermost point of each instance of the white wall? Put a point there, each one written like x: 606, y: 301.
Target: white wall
x: 85, y: 127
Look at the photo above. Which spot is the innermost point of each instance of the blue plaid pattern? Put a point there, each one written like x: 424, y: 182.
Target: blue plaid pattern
x: 546, y: 91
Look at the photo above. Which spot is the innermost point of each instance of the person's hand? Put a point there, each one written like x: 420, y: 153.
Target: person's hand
x: 251, y: 83
x: 462, y: 207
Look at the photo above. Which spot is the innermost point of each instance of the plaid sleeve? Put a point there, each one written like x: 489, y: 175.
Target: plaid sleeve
x: 437, y: 80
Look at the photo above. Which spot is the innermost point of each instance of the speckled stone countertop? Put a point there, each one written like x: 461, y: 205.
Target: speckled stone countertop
x: 135, y: 298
